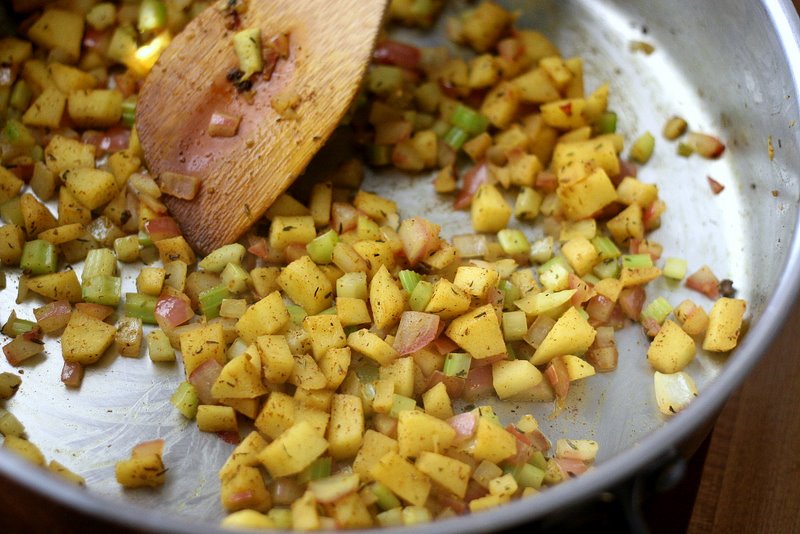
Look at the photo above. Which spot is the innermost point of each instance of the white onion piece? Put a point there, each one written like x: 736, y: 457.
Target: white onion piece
x: 674, y: 391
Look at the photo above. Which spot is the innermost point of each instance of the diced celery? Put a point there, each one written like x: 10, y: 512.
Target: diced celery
x: 658, y: 310
x: 39, y: 257
x: 538, y: 459
x: 554, y: 274
x: 102, y: 289
x: 235, y: 278
x: 141, y: 306
x: 642, y: 148
x: 421, y: 296
x: 635, y: 261
x: 542, y: 250
x: 440, y: 128
x: 675, y: 268
x: 511, y: 293
x: 129, y: 111
x: 367, y: 372
x: 159, y: 348
x: 211, y: 299
x: 528, y: 476
x: 21, y: 95
x: 18, y: 135
x: 487, y: 412
x: 144, y: 239
x: 185, y: 399
x: 384, y: 79
x: 455, y: 138
x: 319, y: 468
x: 606, y: 123
x: 328, y: 311
x: 515, y: 325
x: 127, y: 248
x: 296, y: 314
x: 152, y: 15
x: 219, y: 258
x: 320, y: 249
x: 416, y: 515
x: 384, y: 498
x: 607, y: 269
x: 409, y: 280
x: 367, y: 229
x: 99, y: 262
x: 401, y: 404
x: 589, y: 278
x: 11, y: 212
x: 16, y: 326
x: 391, y: 518
x: 469, y: 120
x: 513, y: 241
x: 457, y: 364
x: 605, y: 247
x: 685, y: 150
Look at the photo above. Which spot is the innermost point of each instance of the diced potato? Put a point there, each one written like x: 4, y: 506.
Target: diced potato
x: 35, y: 216
x: 493, y: 442
x: 593, y: 153
x: 175, y: 249
x: 277, y: 361
x: 47, y: 110
x: 510, y: 377
x: 477, y: 281
x: 371, y: 345
x: 240, y: 378
x: 375, y: 206
x: 325, y: 332
x: 386, y: 298
x: 212, y: 418
x: 307, y: 285
x: 286, y: 230
x: 449, y: 473
x: 536, y: 87
x: 247, y: 519
x: 293, y: 450
x: 59, y: 29
x: 627, y: 224
x: 577, y: 449
x: 692, y: 318
x: 490, y: 212
x: 577, y: 368
x: 277, y: 415
x: 95, y: 108
x: 437, y: 402
x: 584, y: 197
x: 417, y: 432
x: 85, y: 339
x: 448, y: 300
x: 66, y: 474
x: 374, y: 446
x: 10, y: 185
x: 724, y: 324
x: 581, y: 254
x: 245, y: 489
x: 671, y: 350
x: 265, y: 317
x: 352, y: 311
x: 400, y: 476
x: 478, y: 332
x: 346, y: 429
x: 24, y: 448
x: 566, y: 114
x: 306, y: 373
x: 202, y: 343
x: 141, y: 471
x: 401, y: 373
x: 571, y: 334
x: 632, y: 191
x: 129, y: 336
x: 63, y: 285
x: 12, y: 241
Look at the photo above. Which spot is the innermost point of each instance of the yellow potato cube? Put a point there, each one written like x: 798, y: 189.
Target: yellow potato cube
x: 141, y: 471
x: 352, y: 311
x: 510, y: 377
x: 632, y: 191
x: 477, y: 281
x: 400, y: 476
x: 325, y: 332
x: 63, y: 153
x: 277, y: 415
x: 95, y: 108
x: 583, y: 198
x: 437, y: 402
x: 501, y: 104
x: 580, y: 254
x: 448, y: 300
x: 536, y: 87
x: 375, y: 206
x: 374, y: 446
x: 493, y: 442
x: 306, y: 373
x: 304, y: 513
x: 572, y: 334
x: 627, y: 224
x: 478, y: 332
x: 213, y: 418
x: 386, y: 299
x: 85, y: 338
x: 671, y: 350
x: 577, y: 368
x: 401, y: 373
x: 241, y: 378
x: 202, y: 343
x: 293, y: 450
x: 334, y: 365
x: 47, y: 110
x: 245, y: 490
x: 286, y: 230
x: 724, y: 325
x: 57, y: 286
x: 305, y: 283
x: 449, y: 473
x: 277, y: 361
x: 591, y: 153
x: 69, y: 79
x: 265, y: 317
x: 417, y: 431
x: 489, y: 211
x: 61, y: 29
x: 371, y: 345
x: 346, y: 430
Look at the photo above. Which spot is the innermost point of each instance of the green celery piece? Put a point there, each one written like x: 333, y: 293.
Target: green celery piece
x: 296, y: 314
x: 319, y: 468
x: 211, y: 299
x: 401, y: 404
x: 385, y: 499
x: 635, y: 261
x: 141, y: 306
x: 657, y: 310
x: 320, y: 249
x: 421, y: 296
x: 511, y: 293
x: 129, y: 111
x: 384, y: 79
x: 605, y: 247
x: 606, y: 123
x: 642, y: 148
x: 457, y: 364
x: 185, y: 399
x: 607, y: 269
x: 528, y: 476
x: 513, y: 241
x: 409, y: 280
x: 39, y: 257
x: 99, y: 262
x: 379, y: 155
x: 675, y: 268
x: 469, y: 120
x: 455, y: 138
x: 152, y: 15
x: 102, y: 289
x: 21, y: 95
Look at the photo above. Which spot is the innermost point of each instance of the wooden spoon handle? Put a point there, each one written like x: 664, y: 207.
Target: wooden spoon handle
x: 330, y: 41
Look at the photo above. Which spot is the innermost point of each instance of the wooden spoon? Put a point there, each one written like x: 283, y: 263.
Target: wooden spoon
x: 330, y: 44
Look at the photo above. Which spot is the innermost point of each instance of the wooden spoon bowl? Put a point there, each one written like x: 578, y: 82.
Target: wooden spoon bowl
x: 330, y: 44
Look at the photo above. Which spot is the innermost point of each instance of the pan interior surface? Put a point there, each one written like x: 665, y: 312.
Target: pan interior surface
x: 731, y: 83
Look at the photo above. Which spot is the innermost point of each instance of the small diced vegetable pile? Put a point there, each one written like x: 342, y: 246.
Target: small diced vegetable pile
x: 349, y: 353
